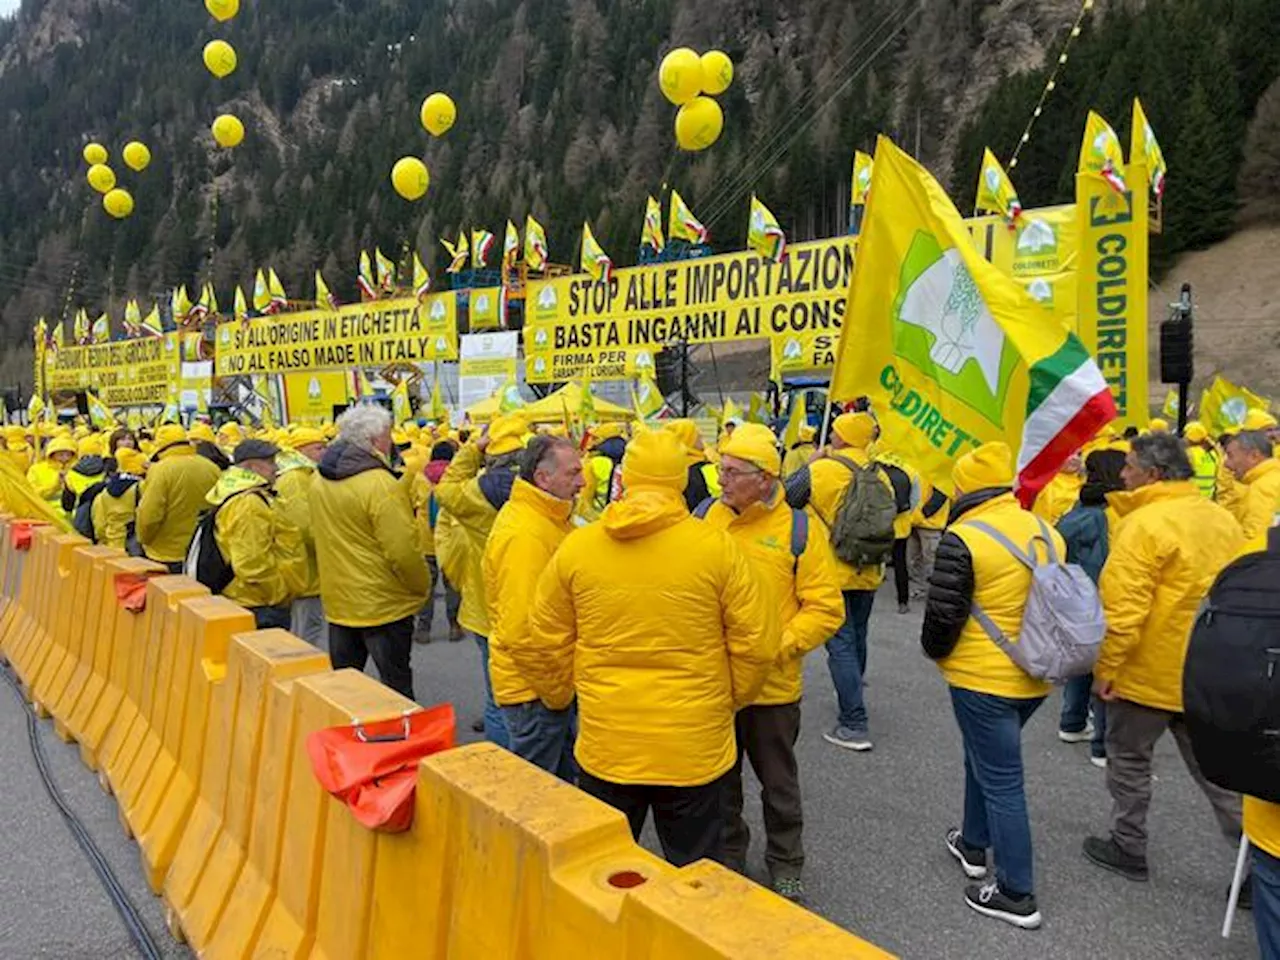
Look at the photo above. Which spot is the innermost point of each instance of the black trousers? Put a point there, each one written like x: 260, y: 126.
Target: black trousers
x: 901, y: 576
x: 767, y: 734
x: 389, y: 644
x: 689, y: 820
x: 266, y: 617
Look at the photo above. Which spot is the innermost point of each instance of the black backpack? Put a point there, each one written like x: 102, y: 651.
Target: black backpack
x: 1231, y: 679
x: 205, y: 563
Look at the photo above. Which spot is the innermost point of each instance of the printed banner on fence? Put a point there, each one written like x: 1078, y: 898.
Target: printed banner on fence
x: 487, y: 361
x: 544, y: 365
x: 377, y: 333
x: 123, y: 373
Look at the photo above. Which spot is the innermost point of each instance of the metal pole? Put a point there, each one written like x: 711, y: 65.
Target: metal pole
x: 684, y: 379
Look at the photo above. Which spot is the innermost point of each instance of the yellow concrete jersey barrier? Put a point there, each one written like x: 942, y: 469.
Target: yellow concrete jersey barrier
x: 198, y: 724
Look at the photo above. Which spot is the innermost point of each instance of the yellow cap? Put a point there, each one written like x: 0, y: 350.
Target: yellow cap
x: 506, y: 434
x: 90, y: 446
x: 1196, y: 432
x: 755, y: 444
x: 1257, y: 419
x: 855, y: 429
x: 305, y: 437
x: 202, y: 431
x: 991, y: 465
x: 656, y: 458
x: 169, y: 435
x: 1158, y: 425
x: 686, y: 431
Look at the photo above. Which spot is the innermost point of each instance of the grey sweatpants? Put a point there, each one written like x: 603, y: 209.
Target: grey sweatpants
x: 306, y: 620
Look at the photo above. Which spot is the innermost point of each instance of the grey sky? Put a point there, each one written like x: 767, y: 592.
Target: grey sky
x: 8, y: 6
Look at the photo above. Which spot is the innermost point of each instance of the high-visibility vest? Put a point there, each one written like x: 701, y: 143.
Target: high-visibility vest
x: 1204, y: 468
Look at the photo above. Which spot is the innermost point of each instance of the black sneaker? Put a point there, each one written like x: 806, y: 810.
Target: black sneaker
x: 1244, y: 901
x: 973, y: 860
x: 990, y: 901
x: 1107, y: 855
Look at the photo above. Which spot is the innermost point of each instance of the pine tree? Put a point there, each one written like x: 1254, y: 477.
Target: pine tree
x: 1200, y: 199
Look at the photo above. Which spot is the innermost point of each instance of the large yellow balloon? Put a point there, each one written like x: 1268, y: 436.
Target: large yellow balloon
x: 94, y: 153
x: 136, y: 156
x: 222, y: 10
x: 680, y: 75
x: 228, y: 131
x: 101, y: 177
x: 410, y: 178
x: 220, y: 58
x: 717, y: 72
x: 698, y: 124
x: 438, y: 114
x: 118, y: 203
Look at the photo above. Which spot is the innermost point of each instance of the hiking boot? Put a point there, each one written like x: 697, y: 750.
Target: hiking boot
x: 422, y: 634
x: 904, y: 608
x: 973, y: 860
x: 990, y: 901
x: 790, y: 888
x: 1077, y: 736
x: 856, y: 740
x: 1107, y: 855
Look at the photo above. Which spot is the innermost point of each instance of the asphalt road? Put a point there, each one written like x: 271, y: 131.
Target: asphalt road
x: 874, y: 828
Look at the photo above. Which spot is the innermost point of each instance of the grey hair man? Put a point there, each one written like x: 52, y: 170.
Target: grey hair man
x: 1251, y: 458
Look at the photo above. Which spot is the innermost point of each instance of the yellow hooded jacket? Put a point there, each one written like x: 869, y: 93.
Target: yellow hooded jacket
x: 1058, y: 496
x: 803, y: 592
x: 525, y: 535
x: 173, y: 498
x: 264, y: 549
x: 293, y: 484
x: 114, y: 509
x: 829, y: 479
x: 660, y: 664
x: 1169, y: 546
x: 1261, y: 500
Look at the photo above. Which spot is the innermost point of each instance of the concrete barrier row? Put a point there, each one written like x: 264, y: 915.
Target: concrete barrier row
x: 197, y: 723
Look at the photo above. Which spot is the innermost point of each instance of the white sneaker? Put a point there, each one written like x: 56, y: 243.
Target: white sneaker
x: 1099, y: 762
x: 1080, y: 736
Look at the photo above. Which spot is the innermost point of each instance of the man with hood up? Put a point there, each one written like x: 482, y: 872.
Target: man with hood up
x: 173, y: 497
x: 112, y: 504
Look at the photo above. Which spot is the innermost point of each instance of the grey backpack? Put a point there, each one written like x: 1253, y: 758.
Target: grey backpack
x: 1062, y: 625
x: 862, y: 528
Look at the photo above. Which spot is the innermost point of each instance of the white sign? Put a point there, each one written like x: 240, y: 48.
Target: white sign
x: 485, y: 362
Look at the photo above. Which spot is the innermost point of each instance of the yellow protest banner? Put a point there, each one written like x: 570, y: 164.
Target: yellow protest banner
x: 485, y: 308
x: 310, y: 397
x: 122, y: 373
x: 360, y: 334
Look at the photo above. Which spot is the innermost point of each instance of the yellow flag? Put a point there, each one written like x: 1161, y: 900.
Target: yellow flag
x: 758, y: 409
x: 459, y: 253
x: 101, y: 329
x: 278, y: 298
x: 1142, y: 143
x: 730, y: 411
x: 1170, y: 406
x: 261, y: 293
x: 401, y: 408
x: 99, y: 413
x: 995, y: 189
x: 1100, y: 152
x: 325, y: 300
x: 535, y: 244
x: 132, y: 318
x: 439, y: 412
x: 481, y: 246
x: 948, y: 349
x: 594, y: 260
x: 587, y: 406
x: 651, y: 234
x: 510, y: 247
x: 646, y: 398
x: 80, y: 326
x: 509, y: 396
x: 386, y: 271
x: 241, y: 305
x: 35, y: 408
x: 1224, y: 405
x: 421, y: 279
x: 365, y: 279
x: 682, y: 224
x: 180, y: 305
x: 211, y: 297
x: 764, y: 236
x: 861, y: 184
x: 796, y: 419
x: 151, y: 325
x: 57, y: 338
x: 366, y: 385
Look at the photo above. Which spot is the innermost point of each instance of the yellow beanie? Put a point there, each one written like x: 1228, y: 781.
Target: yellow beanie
x: 170, y: 434
x: 1257, y: 419
x: 131, y: 461
x: 90, y: 446
x: 305, y: 436
x: 855, y: 429
x: 1196, y: 432
x: 991, y: 465
x: 606, y: 431
x: 656, y: 458
x: 806, y: 433
x: 202, y: 431
x: 686, y: 431
x: 506, y: 434
x: 1158, y: 426
x: 754, y: 443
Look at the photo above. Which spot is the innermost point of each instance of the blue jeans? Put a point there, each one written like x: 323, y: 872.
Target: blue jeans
x: 495, y: 726
x: 1077, y: 698
x: 1266, y: 903
x: 995, y: 803
x: 544, y: 737
x: 847, y: 658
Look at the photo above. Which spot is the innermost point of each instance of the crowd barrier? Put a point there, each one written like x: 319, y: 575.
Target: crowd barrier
x: 197, y: 724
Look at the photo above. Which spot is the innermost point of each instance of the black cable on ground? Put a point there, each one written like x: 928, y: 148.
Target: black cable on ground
x: 119, y: 898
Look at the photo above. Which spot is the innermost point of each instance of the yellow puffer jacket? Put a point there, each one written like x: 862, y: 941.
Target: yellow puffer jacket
x: 172, y: 500
x: 654, y: 618
x: 1058, y: 496
x: 111, y: 513
x: 293, y: 485
x: 371, y: 571
x: 828, y: 482
x: 1000, y: 586
x: 1261, y: 500
x: 803, y: 592
x: 473, y: 503
x: 524, y: 537
x: 1169, y: 546
x: 265, y: 550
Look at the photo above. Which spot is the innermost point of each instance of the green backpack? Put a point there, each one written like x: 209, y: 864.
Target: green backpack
x: 862, y: 529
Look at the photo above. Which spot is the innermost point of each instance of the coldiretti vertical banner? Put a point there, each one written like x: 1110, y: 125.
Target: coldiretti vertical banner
x: 1112, y: 286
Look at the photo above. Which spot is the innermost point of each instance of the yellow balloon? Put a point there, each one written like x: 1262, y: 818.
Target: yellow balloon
x: 680, y: 75
x: 228, y: 131
x: 410, y: 178
x: 698, y: 124
x: 222, y: 10
x: 94, y: 153
x: 438, y: 114
x: 118, y: 203
x: 220, y: 58
x: 101, y: 177
x: 136, y: 156
x: 717, y: 72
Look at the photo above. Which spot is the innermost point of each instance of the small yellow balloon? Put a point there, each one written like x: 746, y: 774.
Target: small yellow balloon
x: 680, y: 75
x: 698, y: 124
x: 94, y: 153
x: 228, y: 131
x: 410, y: 178
x: 118, y: 203
x: 222, y: 10
x: 136, y: 156
x: 717, y: 72
x: 439, y: 113
x: 101, y: 177
x: 220, y: 58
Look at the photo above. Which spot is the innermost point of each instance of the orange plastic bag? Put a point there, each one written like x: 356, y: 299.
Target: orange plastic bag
x: 131, y: 590
x: 20, y: 533
x: 373, y: 767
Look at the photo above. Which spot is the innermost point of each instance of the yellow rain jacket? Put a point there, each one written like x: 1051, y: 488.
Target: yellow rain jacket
x: 293, y: 484
x: 173, y: 498
x: 803, y: 592
x: 654, y: 618
x: 371, y: 571
x: 1169, y: 546
x: 114, y: 509
x: 796, y: 458
x: 829, y: 480
x: 254, y: 536
x: 45, y: 478
x: 524, y: 537
x: 1261, y: 500
x: 1058, y: 496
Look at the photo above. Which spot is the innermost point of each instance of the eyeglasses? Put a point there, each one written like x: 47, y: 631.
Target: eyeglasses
x: 730, y: 473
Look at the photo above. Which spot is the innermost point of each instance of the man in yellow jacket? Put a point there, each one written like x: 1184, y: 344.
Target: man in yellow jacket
x: 525, y: 535
x: 1205, y: 458
x: 1169, y: 547
x: 653, y: 620
x: 1250, y: 459
x: 993, y: 697
x: 795, y: 572
x: 801, y: 451
x: 296, y: 469
x: 820, y: 487
x: 372, y: 575
x: 178, y: 481
x: 114, y: 512
x: 472, y: 499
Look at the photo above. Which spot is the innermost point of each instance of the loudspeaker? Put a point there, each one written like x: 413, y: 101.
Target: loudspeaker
x: 1177, y: 351
x: 666, y: 370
